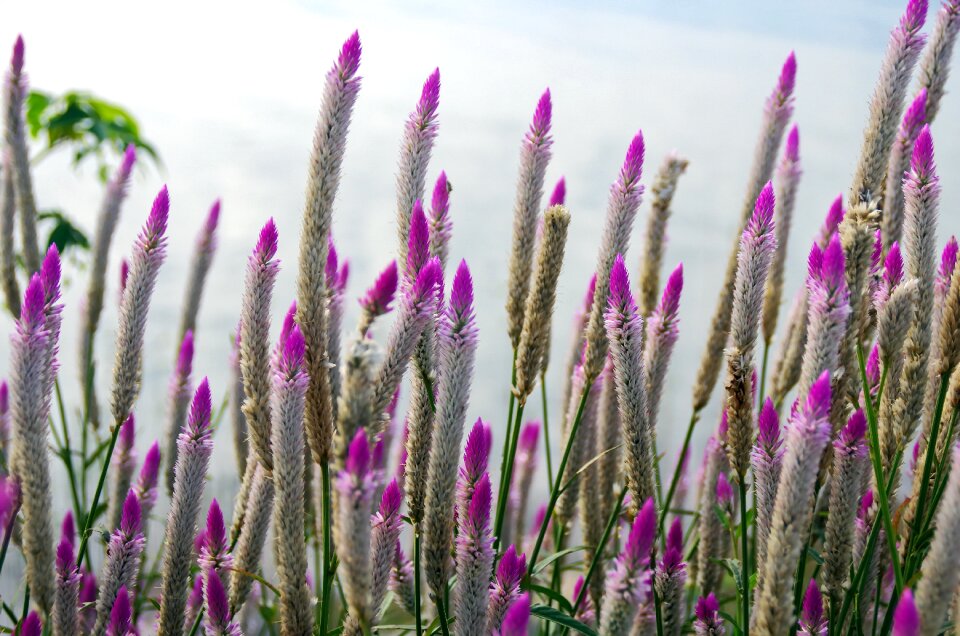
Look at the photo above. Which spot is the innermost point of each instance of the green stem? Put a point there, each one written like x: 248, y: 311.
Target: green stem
x: 763, y: 373
x: 598, y: 554
x: 416, y: 579
x: 555, y: 491
x: 68, y: 451
x: 744, y: 557
x: 442, y: 615
x: 7, y: 533
x: 506, y: 478
x: 546, y: 429
x: 89, y: 518
x: 327, y: 560
x: 508, y: 435
x: 676, y: 472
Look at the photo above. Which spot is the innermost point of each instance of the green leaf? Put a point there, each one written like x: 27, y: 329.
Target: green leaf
x: 554, y: 615
x: 730, y: 619
x: 733, y: 567
x: 550, y: 593
x: 63, y: 233
x: 556, y: 555
x: 815, y: 555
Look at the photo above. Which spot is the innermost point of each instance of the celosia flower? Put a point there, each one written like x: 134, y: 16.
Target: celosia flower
x: 661, y: 336
x: 194, y: 602
x: 655, y: 242
x: 586, y: 613
x: 441, y: 227
x: 206, y: 246
x: 913, y: 119
x: 66, y: 619
x: 906, y: 619
x: 517, y: 618
x: 384, y: 536
x: 626, y: 581
x: 457, y: 343
x: 352, y: 528
x: 669, y: 580
x: 559, y: 194
x: 376, y: 301
x: 124, y: 463
x: 122, y: 564
x: 766, y: 460
x: 121, y: 615
x: 194, y: 447
x: 534, y: 157
x: 474, y: 560
x: 31, y: 625
x: 214, y: 552
x: 813, y: 621
x: 181, y: 390
x: 219, y: 620
x: 505, y: 589
x: 525, y: 465
x: 713, y: 543
x: 250, y: 542
x: 939, y: 578
x: 724, y: 493
x: 146, y: 486
x: 707, y: 621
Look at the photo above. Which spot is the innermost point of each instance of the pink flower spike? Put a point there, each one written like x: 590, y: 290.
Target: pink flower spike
x: 788, y: 77
x: 948, y: 259
x: 215, y: 532
x: 294, y: 350
x: 477, y: 450
x: 478, y: 513
x: 852, y: 435
x: 185, y: 357
x: 724, y: 490
x: 818, y: 400
x: 792, y: 149
x: 330, y: 270
x: 68, y: 528
x: 428, y: 280
x: 834, y: 216
x: 914, y: 16
x: 906, y: 620
x: 289, y: 320
x: 130, y: 519
x: 815, y: 262
x: 198, y: 421
x: 873, y: 367
x: 127, y: 434
x: 633, y: 164
x: 266, y: 247
x: 517, y: 618
x: 348, y: 62
x: 511, y: 569
x: 151, y: 467
x: 762, y: 220
x: 641, y: 533
x: 429, y: 96
x: 620, y: 296
x: 707, y: 614
x: 124, y: 273
x: 768, y: 425
x: 156, y: 224
x: 129, y: 158
x: 461, y: 296
x: 675, y: 535
x: 391, y: 499
x: 16, y: 60
x: 31, y: 310
x: 811, y: 618
x: 358, y: 455
x: 893, y: 266
x: 31, y: 625
x: 529, y: 435
x: 378, y: 298
x: 217, y: 602
x: 559, y: 195
x: 833, y: 266
x: 670, y: 300
x: 50, y: 274
x: 121, y: 614
x: 866, y: 502
x: 921, y: 162
x: 915, y: 116
x: 418, y: 244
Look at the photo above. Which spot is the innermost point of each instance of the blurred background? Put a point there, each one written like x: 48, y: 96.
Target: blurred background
x: 228, y: 92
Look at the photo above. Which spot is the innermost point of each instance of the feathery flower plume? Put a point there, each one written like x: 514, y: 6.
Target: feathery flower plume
x: 383, y: 542
x: 655, y: 242
x: 8, y: 212
x: 813, y: 621
x: 766, y: 460
x: 625, y: 195
x: 15, y: 95
x: 146, y: 486
x: 149, y: 252
x: 575, y: 354
x: 107, y: 220
x: 261, y: 275
x: 934, y: 67
x: 627, y: 582
x: 419, y: 134
x: 807, y: 437
x: 906, y: 619
x: 238, y: 420
x: 712, y: 540
x: 537, y: 315
x: 214, y: 553
x: 66, y: 618
x: 587, y: 613
x: 476, y: 453
x: 913, y: 119
x: 886, y: 105
x: 788, y: 179
x: 355, y: 406
x: 290, y: 544
x: 757, y: 246
x: 949, y: 328
x: 352, y: 528
x: 251, y: 540
x: 376, y: 301
x: 534, y: 157
x: 203, y: 252
x: 124, y: 462
x: 776, y: 113
x: 416, y: 309
x: 625, y: 333
x: 401, y: 579
x: 669, y: 580
x: 525, y: 465
x: 194, y: 602
x: 336, y: 291
x: 517, y: 619
x: 707, y: 621
x: 474, y: 560
x: 31, y: 625
x: 505, y: 589
x: 457, y: 344
x: 848, y: 474
x: 68, y: 528
x: 123, y: 563
x: 194, y: 447
x: 323, y: 178
x: 661, y: 335
x: 121, y: 615
x: 219, y: 619
x: 441, y: 227
x: 938, y: 582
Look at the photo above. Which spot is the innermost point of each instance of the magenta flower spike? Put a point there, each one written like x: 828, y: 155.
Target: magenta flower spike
x: 766, y: 459
x: 330, y: 271
x: 124, y: 274
x: 215, y: 551
x: 724, y: 492
x: 669, y: 579
x: 195, y: 600
x: 624, y: 587
x: 474, y: 558
x: 146, y: 486
x: 948, y: 261
x: 125, y: 463
x: 219, y: 620
x: 31, y: 625
x: 122, y: 565
x: 662, y: 331
x: 65, y: 615
x: 476, y: 454
x: 418, y: 243
x: 387, y: 524
x: 121, y: 615
x: 913, y: 119
x: 559, y: 194
x: 517, y: 618
x: 352, y: 531
x: 16, y: 60
x: 812, y: 621
x: 441, y: 226
x: 68, y: 528
x: 376, y: 301
x: 873, y: 369
x: 892, y: 275
x: 707, y: 621
x: 4, y: 418
x: 505, y: 589
x: 906, y: 620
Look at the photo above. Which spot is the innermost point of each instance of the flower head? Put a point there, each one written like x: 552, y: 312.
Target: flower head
x: 517, y: 618
x: 707, y: 620
x: 540, y: 128
x: 16, y: 60
x: 921, y: 162
x: 121, y: 614
x: 348, y: 62
x: 266, y: 247
x: 511, y: 569
x: 68, y: 529
x: 792, y: 149
x: 559, y: 195
x: 147, y: 480
x: 198, y: 422
x: 31, y: 625
x: 906, y: 620
x: 633, y: 163
x: 130, y: 518
x: 724, y: 491
x: 379, y: 296
x: 358, y: 455
x: 812, y: 620
x: 768, y: 425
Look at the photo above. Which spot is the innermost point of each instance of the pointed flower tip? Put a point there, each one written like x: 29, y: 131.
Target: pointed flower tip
x: 866, y: 502
x: 670, y: 301
x: 151, y: 465
x: 812, y: 611
x: 476, y: 452
x: 724, y: 490
x: 348, y: 62
x: 815, y: 262
x: 31, y: 625
x: 201, y: 407
x: 914, y: 16
x: 559, y: 195
x: 834, y: 215
x: 130, y: 516
x: 217, y: 601
x: 511, y: 569
x: 213, y: 217
x: 642, y: 532
x: 4, y: 397
x: 185, y: 357
x: 216, y: 531
x: 331, y: 267
x: 429, y: 278
x: 16, y: 60
x: 906, y: 620
x: 921, y: 163
x: 707, y: 607
x: 129, y: 158
x: 358, y: 455
x: 65, y: 556
x: 50, y: 273
x: 855, y: 430
x: 461, y: 296
x: 517, y: 618
x: 788, y: 76
x: 267, y: 244
x: 818, y: 399
x: 440, y: 201
x: 633, y: 164
x: 620, y: 295
x: 833, y: 265
x: 916, y: 115
x: 768, y: 424
x: 68, y: 529
x: 120, y: 614
x: 128, y: 433
x: 294, y: 350
x: 792, y: 149
x: 479, y: 510
x: 390, y: 500
x: 31, y: 310
x: 675, y: 535
x: 378, y: 297
x: 542, y: 116
x: 529, y: 435
x: 418, y: 241
x: 430, y: 95
x: 762, y: 220
x: 157, y: 222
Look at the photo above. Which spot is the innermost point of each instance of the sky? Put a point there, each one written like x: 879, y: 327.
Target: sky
x: 229, y: 92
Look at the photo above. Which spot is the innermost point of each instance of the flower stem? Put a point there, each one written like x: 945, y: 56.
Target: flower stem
x: 744, y: 557
x: 763, y: 372
x: 91, y: 513
x: 416, y: 579
x: 676, y: 473
x: 327, y: 560
x: 546, y: 428
x: 507, y: 477
x: 601, y: 545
